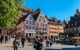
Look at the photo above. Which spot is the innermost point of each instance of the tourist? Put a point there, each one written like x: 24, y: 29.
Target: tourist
x: 28, y: 39
x: 39, y: 45
x: 35, y: 43
x: 50, y: 41
x: 6, y: 38
x: 1, y: 38
x: 15, y: 44
x: 23, y: 41
x: 47, y: 43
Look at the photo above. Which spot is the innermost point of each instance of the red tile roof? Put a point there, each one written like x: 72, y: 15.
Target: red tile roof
x: 26, y: 9
x: 35, y: 15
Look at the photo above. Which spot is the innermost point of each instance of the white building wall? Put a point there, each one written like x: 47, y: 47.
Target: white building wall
x: 41, y: 24
x: 29, y: 25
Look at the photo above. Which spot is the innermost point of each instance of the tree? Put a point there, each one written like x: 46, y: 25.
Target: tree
x: 53, y: 18
x: 9, y: 12
x: 46, y: 16
x: 59, y: 21
x: 19, y: 2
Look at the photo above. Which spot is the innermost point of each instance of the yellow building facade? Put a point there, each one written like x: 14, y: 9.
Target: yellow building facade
x: 54, y: 29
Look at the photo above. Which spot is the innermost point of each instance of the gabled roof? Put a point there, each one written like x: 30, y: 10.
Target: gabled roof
x: 51, y: 20
x: 22, y: 18
x: 35, y: 15
x: 26, y: 9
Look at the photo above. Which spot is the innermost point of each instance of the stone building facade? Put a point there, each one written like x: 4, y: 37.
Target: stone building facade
x: 54, y: 29
x: 41, y: 24
x: 73, y: 26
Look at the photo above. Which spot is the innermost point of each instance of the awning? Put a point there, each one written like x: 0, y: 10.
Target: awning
x: 30, y: 31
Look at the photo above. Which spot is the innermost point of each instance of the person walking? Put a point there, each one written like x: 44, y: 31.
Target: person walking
x: 23, y: 41
x: 15, y: 44
x: 39, y: 45
x: 47, y: 43
x: 50, y: 42
x: 35, y: 43
x: 6, y: 38
x: 1, y: 39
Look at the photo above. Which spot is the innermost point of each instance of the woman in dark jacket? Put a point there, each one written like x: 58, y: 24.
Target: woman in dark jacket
x: 39, y: 45
x: 23, y: 41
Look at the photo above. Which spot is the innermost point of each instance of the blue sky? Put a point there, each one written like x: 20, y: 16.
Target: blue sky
x: 61, y: 9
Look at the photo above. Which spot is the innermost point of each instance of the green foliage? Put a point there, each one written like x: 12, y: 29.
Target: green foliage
x: 19, y: 2
x: 46, y: 16
x: 53, y: 18
x: 9, y: 12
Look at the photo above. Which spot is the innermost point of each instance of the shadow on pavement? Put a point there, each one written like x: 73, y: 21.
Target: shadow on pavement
x: 62, y: 49
x: 71, y: 49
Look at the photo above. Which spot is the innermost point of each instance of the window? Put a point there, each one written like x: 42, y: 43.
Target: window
x: 49, y: 27
x: 46, y: 25
x: 26, y: 22
x: 43, y: 29
x: 44, y: 20
x: 30, y: 22
x: 41, y: 25
x: 54, y: 32
x: 39, y: 19
x: 39, y: 28
x: 26, y: 27
x: 33, y: 27
x: 30, y: 18
x: 30, y: 27
x: 38, y: 24
x: 50, y: 32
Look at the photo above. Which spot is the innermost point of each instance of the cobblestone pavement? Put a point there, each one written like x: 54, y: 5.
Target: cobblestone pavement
x: 28, y: 46
x: 8, y: 46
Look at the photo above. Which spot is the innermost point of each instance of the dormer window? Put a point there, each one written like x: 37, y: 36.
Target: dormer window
x: 30, y: 18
